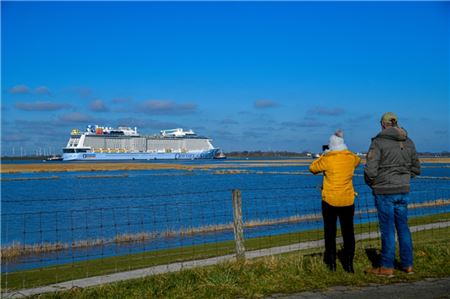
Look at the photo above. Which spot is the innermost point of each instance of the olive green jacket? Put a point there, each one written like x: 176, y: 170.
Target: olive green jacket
x: 391, y: 162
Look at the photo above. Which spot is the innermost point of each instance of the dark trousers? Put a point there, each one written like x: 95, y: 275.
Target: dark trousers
x: 330, y: 215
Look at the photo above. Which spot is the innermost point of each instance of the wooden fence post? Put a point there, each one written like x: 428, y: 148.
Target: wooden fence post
x: 238, y: 225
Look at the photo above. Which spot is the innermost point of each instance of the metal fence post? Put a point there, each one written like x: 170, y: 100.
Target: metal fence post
x: 238, y: 225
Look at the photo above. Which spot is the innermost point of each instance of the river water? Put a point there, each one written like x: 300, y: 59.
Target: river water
x: 71, y: 207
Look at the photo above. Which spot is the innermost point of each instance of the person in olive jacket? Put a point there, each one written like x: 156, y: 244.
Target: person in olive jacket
x: 338, y: 195
x: 391, y: 162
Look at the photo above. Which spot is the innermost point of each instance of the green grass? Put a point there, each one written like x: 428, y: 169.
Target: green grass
x: 54, y: 274
x: 287, y: 273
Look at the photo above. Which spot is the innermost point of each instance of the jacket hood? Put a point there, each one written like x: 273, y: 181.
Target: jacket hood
x: 339, y: 152
x: 393, y: 133
x: 336, y: 143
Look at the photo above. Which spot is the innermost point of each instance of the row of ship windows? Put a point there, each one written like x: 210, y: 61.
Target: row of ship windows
x: 81, y: 150
x: 142, y: 145
x: 74, y: 150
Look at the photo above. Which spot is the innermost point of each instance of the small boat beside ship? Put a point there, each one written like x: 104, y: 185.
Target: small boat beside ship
x: 125, y: 143
x: 54, y: 158
x: 220, y: 155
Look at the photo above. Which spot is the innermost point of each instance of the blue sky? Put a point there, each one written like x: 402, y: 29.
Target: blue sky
x: 250, y: 75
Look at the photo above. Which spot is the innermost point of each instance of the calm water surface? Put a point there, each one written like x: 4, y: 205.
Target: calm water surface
x: 70, y: 208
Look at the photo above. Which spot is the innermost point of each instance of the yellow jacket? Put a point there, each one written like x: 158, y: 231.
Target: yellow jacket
x: 337, y: 168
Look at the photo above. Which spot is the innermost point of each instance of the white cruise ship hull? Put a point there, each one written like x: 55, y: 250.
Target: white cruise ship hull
x: 91, y: 156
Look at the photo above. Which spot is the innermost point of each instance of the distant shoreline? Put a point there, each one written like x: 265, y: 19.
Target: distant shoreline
x: 242, y: 154
x: 125, y: 166
x: 112, y: 166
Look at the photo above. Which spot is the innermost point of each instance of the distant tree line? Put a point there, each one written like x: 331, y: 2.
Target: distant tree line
x: 255, y: 154
x: 430, y: 154
x: 287, y: 154
x: 24, y: 157
x: 248, y: 154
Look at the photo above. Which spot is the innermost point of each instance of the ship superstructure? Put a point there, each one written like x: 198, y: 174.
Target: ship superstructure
x: 125, y: 143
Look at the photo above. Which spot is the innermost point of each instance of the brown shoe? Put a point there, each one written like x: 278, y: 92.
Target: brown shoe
x: 408, y: 270
x: 384, y: 272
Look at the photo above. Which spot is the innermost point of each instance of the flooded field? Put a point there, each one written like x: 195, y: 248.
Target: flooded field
x: 60, y: 213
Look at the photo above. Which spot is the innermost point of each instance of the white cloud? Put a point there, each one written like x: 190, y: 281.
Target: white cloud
x: 262, y: 104
x: 40, y: 106
x: 42, y: 90
x: 98, y: 106
x: 166, y: 107
x: 20, y: 89
x: 327, y: 111
x: 75, y: 117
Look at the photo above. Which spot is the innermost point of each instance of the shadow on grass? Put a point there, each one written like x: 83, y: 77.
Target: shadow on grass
x: 314, y: 254
x: 374, y: 257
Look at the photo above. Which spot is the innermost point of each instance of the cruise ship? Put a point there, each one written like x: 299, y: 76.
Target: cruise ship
x: 125, y: 143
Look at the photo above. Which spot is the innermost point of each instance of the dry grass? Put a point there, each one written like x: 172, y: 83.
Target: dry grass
x: 61, y: 167
x: 139, y: 237
x: 428, y: 204
x: 435, y: 160
x: 27, y: 168
x: 17, y: 249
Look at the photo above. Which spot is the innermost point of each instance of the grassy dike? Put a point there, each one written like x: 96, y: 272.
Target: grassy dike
x: 284, y: 274
x: 54, y: 274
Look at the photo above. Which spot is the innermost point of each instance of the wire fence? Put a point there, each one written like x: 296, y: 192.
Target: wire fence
x: 108, y: 235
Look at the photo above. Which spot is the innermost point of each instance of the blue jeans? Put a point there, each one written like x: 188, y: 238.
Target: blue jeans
x: 393, y: 215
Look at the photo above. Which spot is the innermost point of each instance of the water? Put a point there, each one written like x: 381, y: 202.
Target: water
x: 70, y: 209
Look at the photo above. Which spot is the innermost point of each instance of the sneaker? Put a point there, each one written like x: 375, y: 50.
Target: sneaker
x: 408, y: 270
x: 383, y: 272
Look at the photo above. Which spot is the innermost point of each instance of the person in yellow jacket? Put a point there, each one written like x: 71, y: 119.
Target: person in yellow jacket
x: 337, y: 165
